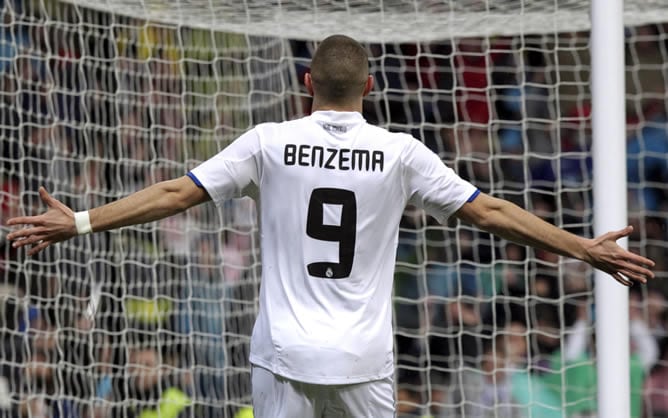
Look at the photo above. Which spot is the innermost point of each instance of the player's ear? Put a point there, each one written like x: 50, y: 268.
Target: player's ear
x: 368, y: 86
x: 308, y: 82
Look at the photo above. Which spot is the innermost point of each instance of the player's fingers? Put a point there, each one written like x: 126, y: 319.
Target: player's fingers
x: 25, y: 232
x: 639, y: 270
x: 634, y: 275
x: 52, y: 202
x: 24, y: 220
x: 638, y: 259
x: 29, y: 240
x: 621, y: 279
x: 18, y: 242
x: 46, y: 197
x: 39, y: 247
x: 17, y: 235
x: 22, y: 242
x: 624, y: 232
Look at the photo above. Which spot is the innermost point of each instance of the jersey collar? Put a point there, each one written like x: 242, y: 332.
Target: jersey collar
x: 333, y: 116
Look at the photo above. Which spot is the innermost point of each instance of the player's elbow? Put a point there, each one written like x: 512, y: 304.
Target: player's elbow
x: 488, y: 220
x: 482, y: 212
x: 181, y: 194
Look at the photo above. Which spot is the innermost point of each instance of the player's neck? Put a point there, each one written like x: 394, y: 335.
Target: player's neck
x: 350, y: 107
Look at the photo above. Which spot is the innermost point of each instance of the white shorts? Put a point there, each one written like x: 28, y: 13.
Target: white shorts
x: 277, y: 397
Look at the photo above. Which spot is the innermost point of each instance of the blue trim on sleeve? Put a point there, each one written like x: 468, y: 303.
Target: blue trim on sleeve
x: 195, y: 179
x: 470, y: 199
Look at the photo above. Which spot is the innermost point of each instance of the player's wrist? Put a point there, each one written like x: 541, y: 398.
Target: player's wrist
x: 585, y: 250
x: 82, y: 222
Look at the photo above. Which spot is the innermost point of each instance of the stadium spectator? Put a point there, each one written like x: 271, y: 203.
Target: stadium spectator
x: 472, y: 59
x: 12, y: 353
x: 165, y: 89
x: 657, y: 309
x: 501, y: 385
x: 472, y: 146
x: 160, y: 387
x: 486, y: 391
x: 644, y: 52
x: 180, y: 234
x: 203, y: 318
x: 656, y: 386
x: 13, y: 36
x: 525, y: 97
x: 103, y: 379
x: 9, y: 201
x: 417, y: 81
x: 241, y: 290
x: 654, y: 235
x: 45, y: 395
x: 646, y: 162
x: 643, y: 343
x: 135, y: 146
x: 571, y: 374
x: 432, y: 336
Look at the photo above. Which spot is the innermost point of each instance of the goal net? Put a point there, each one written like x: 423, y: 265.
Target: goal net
x: 101, y: 98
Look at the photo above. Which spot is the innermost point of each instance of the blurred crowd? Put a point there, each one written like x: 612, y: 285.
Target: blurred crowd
x: 155, y: 320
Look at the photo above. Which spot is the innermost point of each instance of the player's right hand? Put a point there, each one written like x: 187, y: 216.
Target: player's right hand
x: 54, y: 225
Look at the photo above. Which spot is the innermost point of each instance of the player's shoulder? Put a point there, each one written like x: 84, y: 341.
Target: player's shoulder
x: 274, y: 129
x: 401, y: 141
x: 388, y: 137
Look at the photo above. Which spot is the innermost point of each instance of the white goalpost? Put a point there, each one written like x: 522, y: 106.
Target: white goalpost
x: 556, y: 105
x: 610, y: 211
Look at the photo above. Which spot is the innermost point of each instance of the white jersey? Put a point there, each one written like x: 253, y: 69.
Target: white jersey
x: 333, y: 189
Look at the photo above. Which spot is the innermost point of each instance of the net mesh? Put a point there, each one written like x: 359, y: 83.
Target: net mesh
x: 99, y: 99
x: 378, y: 20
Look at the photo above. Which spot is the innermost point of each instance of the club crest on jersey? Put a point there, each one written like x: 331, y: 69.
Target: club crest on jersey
x: 333, y: 158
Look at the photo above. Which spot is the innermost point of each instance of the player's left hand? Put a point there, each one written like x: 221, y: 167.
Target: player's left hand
x: 624, y: 266
x: 54, y: 225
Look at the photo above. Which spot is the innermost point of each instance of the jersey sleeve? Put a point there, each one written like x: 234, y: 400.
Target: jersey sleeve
x: 432, y: 185
x: 227, y: 173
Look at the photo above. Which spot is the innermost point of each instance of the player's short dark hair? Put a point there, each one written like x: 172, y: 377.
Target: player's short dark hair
x: 339, y: 69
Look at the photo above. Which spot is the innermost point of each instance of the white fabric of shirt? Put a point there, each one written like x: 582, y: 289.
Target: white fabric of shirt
x: 319, y: 329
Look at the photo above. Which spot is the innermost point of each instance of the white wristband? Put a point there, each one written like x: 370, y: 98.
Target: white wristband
x: 82, y: 222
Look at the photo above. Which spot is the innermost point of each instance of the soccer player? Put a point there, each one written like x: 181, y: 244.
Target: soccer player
x: 333, y: 189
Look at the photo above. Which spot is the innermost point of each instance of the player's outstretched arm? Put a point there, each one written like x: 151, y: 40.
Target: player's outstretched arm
x: 513, y: 223
x: 150, y: 204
